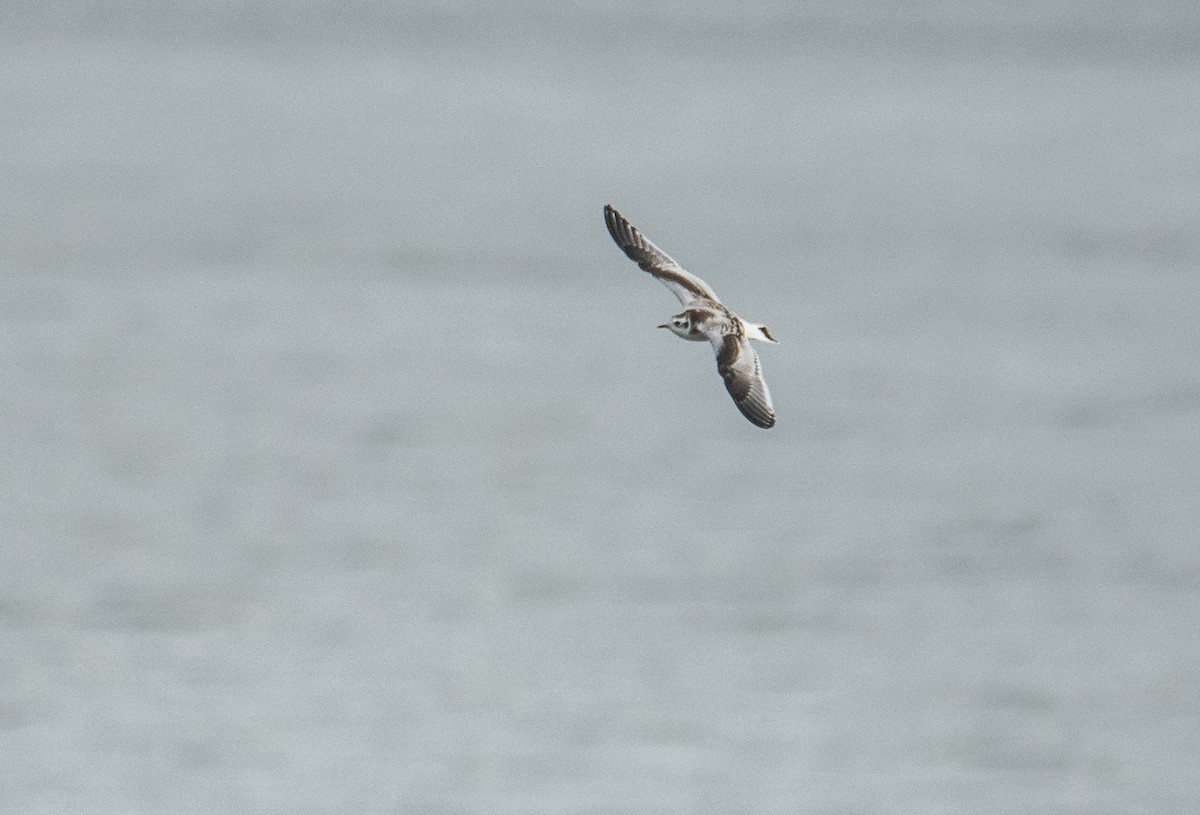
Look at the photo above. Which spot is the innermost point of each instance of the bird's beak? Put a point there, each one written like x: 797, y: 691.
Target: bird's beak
x: 664, y: 325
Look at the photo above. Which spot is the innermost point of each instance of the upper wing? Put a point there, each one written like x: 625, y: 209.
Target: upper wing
x: 685, y: 285
x: 739, y: 367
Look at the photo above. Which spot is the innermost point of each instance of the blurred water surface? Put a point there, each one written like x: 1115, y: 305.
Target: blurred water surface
x: 345, y: 471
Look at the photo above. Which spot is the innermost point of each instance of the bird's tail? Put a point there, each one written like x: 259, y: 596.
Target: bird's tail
x: 754, y: 331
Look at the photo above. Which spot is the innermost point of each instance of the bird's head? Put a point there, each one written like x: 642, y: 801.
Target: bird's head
x: 680, y: 324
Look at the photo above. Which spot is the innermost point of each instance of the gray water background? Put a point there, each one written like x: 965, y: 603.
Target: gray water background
x: 344, y: 471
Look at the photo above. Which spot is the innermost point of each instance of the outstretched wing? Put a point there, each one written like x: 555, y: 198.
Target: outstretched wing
x: 739, y: 366
x: 682, y: 283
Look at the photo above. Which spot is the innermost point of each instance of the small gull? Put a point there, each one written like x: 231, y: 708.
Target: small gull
x: 704, y: 317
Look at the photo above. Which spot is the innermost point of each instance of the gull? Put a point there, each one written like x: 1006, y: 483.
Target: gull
x: 704, y: 317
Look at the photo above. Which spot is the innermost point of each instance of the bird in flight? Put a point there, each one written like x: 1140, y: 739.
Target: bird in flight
x: 704, y: 317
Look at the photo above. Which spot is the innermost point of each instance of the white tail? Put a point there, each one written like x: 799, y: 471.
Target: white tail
x: 760, y: 333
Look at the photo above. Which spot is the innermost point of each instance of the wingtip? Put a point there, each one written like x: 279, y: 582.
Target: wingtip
x: 622, y: 232
x: 764, y: 420
x: 757, y: 411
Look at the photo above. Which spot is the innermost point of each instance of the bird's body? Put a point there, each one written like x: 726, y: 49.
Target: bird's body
x: 704, y: 317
